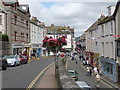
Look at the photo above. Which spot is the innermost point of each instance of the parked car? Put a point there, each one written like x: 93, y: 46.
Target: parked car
x: 3, y: 63
x: 12, y: 60
x: 73, y: 74
x: 83, y: 85
x: 23, y: 59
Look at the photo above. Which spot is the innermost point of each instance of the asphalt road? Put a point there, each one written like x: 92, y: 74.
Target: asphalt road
x: 82, y: 74
x: 22, y: 76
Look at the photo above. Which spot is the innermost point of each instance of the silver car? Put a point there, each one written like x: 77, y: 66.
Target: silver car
x: 12, y: 60
x: 83, y: 85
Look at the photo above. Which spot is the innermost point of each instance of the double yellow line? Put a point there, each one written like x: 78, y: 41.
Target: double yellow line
x: 37, y: 77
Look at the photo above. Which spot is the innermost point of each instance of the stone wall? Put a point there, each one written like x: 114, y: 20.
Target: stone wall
x: 64, y: 79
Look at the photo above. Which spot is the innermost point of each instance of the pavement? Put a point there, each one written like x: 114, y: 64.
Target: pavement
x: 48, y: 79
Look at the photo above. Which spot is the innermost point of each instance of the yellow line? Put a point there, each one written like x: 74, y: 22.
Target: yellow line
x: 37, y: 77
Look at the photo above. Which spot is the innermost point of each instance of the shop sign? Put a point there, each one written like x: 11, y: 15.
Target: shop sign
x: 17, y: 46
x: 36, y: 46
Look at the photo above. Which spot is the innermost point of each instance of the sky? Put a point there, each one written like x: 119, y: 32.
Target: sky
x: 76, y: 14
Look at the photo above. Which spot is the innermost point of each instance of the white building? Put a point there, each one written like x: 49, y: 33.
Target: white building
x: 36, y: 29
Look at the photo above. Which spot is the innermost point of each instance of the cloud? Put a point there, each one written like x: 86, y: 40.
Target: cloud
x: 78, y: 15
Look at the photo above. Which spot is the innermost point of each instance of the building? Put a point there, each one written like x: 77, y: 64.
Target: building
x: 54, y: 31
x: 36, y: 34
x: 17, y: 25
x: 117, y: 37
x: 80, y: 43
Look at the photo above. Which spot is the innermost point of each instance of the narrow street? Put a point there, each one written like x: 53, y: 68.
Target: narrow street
x: 82, y: 76
x: 22, y: 76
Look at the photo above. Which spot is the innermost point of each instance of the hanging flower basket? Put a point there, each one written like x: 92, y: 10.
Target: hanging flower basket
x: 54, y: 44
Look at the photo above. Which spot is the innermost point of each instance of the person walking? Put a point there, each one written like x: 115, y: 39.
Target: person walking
x: 98, y: 80
x: 95, y: 70
x: 88, y: 71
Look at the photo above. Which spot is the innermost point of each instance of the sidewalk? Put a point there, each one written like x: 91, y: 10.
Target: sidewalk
x: 39, y: 58
x: 48, y: 79
x: 108, y: 81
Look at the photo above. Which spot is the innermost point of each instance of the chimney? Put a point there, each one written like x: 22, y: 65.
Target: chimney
x: 52, y: 25
x: 111, y: 10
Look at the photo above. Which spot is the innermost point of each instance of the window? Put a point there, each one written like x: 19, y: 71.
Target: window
x: 0, y: 19
x: 118, y: 48
x: 96, y: 47
x: 15, y: 36
x: 27, y: 24
x: 103, y: 48
x: 22, y: 36
x: 111, y: 68
x: 112, y: 49
x: 102, y: 30
x: 27, y: 37
x: 111, y: 28
x: 15, y: 18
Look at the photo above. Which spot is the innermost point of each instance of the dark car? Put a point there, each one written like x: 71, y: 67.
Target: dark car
x: 3, y: 63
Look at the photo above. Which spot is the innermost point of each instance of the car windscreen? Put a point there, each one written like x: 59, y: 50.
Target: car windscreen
x: 72, y: 73
x: 10, y: 56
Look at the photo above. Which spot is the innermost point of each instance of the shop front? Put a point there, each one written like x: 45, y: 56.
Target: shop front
x: 108, y: 68
x: 17, y: 48
x: 36, y: 50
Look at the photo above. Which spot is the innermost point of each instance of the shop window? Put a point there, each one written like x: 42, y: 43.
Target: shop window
x: 107, y: 67
x: 111, y: 69
x: 118, y: 48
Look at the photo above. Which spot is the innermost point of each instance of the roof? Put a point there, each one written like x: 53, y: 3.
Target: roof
x: 92, y: 26
x: 116, y: 9
x: 106, y: 19
x: 59, y: 29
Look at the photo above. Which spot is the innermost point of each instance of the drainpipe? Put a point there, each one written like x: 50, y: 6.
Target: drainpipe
x: 6, y: 21
x: 116, y: 52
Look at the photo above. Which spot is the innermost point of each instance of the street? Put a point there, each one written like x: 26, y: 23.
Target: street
x: 82, y: 74
x: 22, y: 76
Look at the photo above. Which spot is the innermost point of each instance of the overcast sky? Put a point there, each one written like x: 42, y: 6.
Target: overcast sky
x: 79, y: 15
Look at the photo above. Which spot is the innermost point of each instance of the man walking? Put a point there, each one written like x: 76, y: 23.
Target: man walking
x: 98, y: 80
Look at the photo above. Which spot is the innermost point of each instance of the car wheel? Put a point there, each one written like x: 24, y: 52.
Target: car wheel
x: 26, y: 62
x: 21, y: 62
x: 4, y: 67
x: 15, y: 64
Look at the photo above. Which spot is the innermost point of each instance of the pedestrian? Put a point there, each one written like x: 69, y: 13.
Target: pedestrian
x: 98, y: 80
x: 95, y: 70
x: 76, y: 61
x: 75, y: 56
x: 88, y: 71
x: 72, y: 57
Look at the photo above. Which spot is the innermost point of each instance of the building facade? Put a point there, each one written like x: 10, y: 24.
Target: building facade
x: 117, y: 37
x: 18, y: 26
x: 36, y: 34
